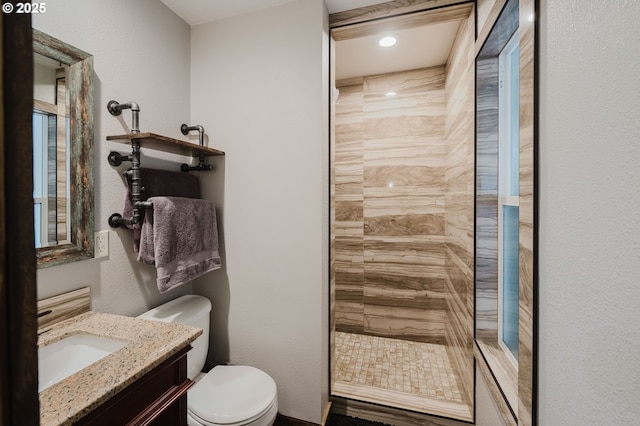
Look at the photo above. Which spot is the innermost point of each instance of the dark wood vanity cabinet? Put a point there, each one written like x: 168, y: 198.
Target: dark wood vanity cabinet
x: 159, y: 398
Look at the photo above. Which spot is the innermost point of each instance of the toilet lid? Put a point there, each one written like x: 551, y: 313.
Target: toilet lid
x: 231, y: 394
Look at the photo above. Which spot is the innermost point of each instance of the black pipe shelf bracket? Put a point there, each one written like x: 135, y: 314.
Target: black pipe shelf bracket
x: 153, y: 141
x: 202, y: 164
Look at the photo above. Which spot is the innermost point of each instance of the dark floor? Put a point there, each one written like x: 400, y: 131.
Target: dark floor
x: 340, y: 420
x: 333, y: 420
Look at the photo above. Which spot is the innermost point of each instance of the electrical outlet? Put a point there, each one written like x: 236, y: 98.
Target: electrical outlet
x: 101, y: 244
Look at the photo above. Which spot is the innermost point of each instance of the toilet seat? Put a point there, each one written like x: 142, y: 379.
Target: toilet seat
x: 231, y: 395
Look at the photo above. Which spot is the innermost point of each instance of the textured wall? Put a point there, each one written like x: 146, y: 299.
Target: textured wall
x: 589, y: 244
x: 390, y: 167
x: 133, y: 61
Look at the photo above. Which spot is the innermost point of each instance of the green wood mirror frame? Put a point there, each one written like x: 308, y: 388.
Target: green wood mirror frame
x: 80, y: 87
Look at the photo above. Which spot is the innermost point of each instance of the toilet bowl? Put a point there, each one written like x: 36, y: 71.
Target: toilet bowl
x: 228, y: 395
x: 233, y: 395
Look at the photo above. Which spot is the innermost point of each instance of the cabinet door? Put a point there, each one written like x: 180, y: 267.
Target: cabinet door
x: 158, y: 398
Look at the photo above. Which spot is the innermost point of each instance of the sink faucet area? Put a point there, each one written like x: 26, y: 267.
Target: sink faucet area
x: 65, y: 357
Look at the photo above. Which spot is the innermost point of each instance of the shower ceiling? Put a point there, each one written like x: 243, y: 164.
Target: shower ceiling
x: 419, y: 47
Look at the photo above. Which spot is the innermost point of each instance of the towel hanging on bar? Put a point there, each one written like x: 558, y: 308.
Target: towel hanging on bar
x: 156, y: 183
x: 180, y: 237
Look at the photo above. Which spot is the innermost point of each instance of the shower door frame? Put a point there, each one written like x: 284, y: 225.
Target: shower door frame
x: 369, y: 16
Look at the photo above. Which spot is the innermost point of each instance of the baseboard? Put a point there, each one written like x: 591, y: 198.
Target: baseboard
x: 282, y: 420
x: 290, y: 421
x: 388, y: 415
x: 327, y: 412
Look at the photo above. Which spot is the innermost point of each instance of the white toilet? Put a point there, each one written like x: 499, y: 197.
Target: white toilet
x: 229, y: 395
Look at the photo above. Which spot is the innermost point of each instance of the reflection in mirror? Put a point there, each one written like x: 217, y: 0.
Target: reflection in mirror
x: 62, y: 151
x: 50, y: 152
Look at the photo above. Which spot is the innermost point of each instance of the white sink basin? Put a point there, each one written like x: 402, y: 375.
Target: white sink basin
x: 61, y: 359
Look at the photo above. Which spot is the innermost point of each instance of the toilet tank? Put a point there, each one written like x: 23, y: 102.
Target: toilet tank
x: 190, y: 310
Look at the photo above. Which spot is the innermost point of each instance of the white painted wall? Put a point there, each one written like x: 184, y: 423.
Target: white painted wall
x: 259, y: 86
x: 141, y: 53
x: 589, y: 213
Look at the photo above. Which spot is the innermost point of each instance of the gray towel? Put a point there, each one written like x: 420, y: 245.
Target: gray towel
x: 180, y: 237
x: 157, y: 183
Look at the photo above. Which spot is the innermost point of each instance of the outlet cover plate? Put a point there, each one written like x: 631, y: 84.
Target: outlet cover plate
x: 101, y: 246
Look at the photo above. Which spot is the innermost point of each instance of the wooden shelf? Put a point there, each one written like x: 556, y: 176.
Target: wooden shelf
x: 166, y: 144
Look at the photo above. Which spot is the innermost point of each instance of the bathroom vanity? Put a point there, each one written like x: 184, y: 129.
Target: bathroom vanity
x: 143, y: 382
x: 159, y: 398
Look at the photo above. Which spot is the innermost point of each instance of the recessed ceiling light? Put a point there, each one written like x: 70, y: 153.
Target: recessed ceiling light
x: 390, y: 94
x: 387, y: 41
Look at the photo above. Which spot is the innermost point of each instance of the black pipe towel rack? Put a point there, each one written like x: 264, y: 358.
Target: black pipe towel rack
x: 153, y: 141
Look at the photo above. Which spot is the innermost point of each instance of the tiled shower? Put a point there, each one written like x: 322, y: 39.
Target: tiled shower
x: 402, y: 236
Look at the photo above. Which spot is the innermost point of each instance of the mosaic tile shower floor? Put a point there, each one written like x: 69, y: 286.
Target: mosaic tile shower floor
x: 411, y: 375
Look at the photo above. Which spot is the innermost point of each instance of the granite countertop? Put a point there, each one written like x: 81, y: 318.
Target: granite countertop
x: 149, y: 344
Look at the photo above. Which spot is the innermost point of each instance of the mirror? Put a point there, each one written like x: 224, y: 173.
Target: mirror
x: 63, y: 151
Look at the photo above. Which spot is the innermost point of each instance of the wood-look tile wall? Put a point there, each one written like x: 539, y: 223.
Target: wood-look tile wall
x: 526, y: 403
x: 404, y: 159
x: 349, y: 199
x: 61, y: 159
x: 507, y: 15
x: 459, y: 212
x: 487, y: 199
x: 390, y: 206
x: 332, y: 217
x: 487, y: 174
